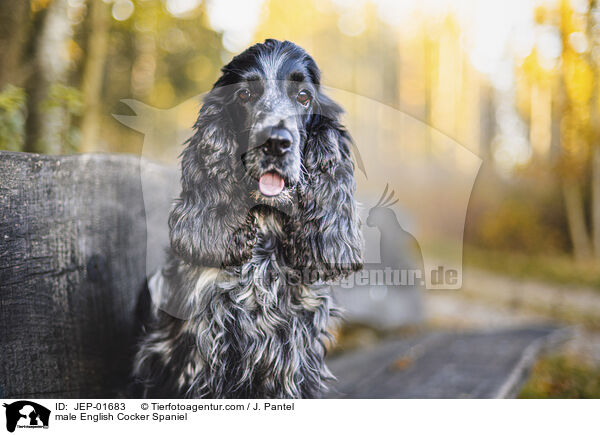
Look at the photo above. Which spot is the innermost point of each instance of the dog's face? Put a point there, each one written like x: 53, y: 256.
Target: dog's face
x: 273, y: 120
x: 270, y: 98
x: 267, y: 135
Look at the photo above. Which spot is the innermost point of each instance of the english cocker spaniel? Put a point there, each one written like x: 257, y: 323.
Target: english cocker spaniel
x: 266, y: 217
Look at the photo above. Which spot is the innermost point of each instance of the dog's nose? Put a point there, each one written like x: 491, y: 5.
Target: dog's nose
x: 278, y: 142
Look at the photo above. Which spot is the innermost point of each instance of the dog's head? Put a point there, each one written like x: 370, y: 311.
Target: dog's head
x: 267, y: 134
x: 271, y: 97
x: 272, y: 89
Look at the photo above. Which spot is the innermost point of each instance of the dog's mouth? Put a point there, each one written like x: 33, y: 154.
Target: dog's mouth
x: 271, y: 183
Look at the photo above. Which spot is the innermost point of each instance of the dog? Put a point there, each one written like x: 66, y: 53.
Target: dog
x: 266, y: 218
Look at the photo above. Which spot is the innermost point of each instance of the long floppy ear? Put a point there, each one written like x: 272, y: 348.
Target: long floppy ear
x: 209, y: 221
x: 327, y: 241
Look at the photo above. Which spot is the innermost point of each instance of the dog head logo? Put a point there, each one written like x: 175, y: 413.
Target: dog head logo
x: 26, y: 414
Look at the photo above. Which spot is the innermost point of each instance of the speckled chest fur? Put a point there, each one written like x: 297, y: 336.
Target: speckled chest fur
x: 248, y: 331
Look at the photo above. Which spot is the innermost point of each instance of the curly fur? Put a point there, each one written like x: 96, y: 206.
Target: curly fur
x: 248, y: 270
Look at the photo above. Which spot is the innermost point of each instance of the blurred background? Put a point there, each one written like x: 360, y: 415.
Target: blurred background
x: 516, y: 83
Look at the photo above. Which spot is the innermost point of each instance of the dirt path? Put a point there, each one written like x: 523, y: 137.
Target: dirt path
x: 489, y: 301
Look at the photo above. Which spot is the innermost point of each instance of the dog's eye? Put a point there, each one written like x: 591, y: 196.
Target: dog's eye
x: 244, y: 95
x: 303, y: 98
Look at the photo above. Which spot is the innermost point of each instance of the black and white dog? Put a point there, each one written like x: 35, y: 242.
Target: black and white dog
x: 266, y: 216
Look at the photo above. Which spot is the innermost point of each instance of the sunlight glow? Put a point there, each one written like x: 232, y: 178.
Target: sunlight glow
x: 180, y: 8
x: 236, y: 19
x: 122, y: 9
x: 494, y: 37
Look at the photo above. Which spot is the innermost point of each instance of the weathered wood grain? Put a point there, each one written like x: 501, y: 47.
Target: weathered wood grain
x: 487, y: 364
x: 72, y: 260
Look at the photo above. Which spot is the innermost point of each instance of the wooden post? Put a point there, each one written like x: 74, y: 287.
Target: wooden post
x: 72, y: 261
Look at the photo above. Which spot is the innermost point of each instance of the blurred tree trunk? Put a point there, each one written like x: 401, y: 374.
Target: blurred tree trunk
x: 575, y: 97
x: 93, y: 73
x: 14, y: 20
x: 595, y: 168
x: 596, y: 197
x: 44, y: 125
x: 576, y: 219
x: 592, y: 23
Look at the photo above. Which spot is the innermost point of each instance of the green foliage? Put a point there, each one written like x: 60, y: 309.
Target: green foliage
x: 65, y: 97
x: 67, y: 101
x: 562, y: 377
x: 12, y: 118
x: 159, y: 58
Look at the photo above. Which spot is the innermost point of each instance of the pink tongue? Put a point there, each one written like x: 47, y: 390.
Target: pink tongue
x: 270, y: 184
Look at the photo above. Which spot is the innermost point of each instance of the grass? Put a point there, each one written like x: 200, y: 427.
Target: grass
x: 562, y: 377
x: 553, y: 268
